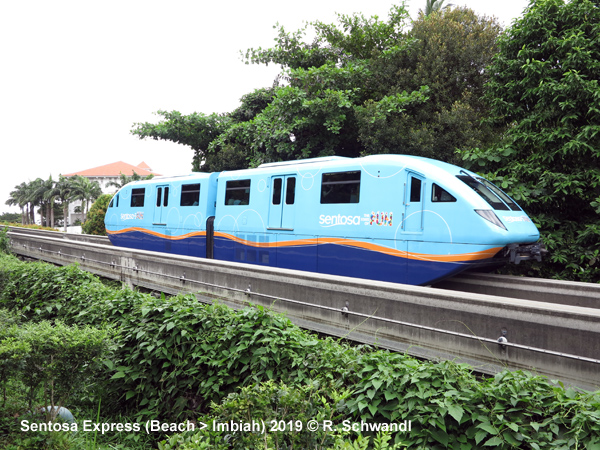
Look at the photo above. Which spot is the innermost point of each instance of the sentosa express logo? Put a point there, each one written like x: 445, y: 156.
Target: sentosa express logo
x: 137, y: 216
x: 334, y: 221
x: 375, y: 218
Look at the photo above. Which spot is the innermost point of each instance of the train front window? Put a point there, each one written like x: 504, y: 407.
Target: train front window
x: 505, y: 198
x: 441, y: 195
x: 484, y: 192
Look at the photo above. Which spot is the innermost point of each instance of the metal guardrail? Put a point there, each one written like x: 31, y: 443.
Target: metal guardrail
x: 487, y: 353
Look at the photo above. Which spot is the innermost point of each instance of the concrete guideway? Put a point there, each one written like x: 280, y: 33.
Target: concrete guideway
x: 550, y: 291
x: 559, y: 341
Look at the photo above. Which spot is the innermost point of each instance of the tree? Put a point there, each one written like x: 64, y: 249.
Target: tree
x: 32, y: 190
x: 50, y: 196
x: 449, y: 53
x: 196, y: 130
x: 432, y: 6
x: 18, y: 197
x: 95, y: 221
x: 544, y: 90
x: 124, y: 179
x: 361, y: 86
x: 86, y: 191
x: 46, y: 203
x: 64, y: 192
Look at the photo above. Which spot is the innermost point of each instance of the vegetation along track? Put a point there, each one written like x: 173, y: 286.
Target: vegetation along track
x: 559, y: 338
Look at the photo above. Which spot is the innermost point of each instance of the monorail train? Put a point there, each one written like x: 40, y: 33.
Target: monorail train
x: 394, y: 218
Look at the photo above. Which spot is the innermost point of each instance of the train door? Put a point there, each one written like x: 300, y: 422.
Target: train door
x: 162, y: 202
x: 414, y: 197
x: 281, y: 207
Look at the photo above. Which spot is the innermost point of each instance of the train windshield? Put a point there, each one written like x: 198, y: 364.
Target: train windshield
x: 497, y: 199
x: 505, y: 198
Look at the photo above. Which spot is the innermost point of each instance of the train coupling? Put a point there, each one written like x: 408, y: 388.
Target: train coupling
x: 519, y: 252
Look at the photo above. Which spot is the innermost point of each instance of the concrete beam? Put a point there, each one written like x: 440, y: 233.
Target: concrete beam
x: 551, y: 291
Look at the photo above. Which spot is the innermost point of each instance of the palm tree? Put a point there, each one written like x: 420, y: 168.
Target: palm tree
x: 36, y: 196
x: 124, y: 179
x: 49, y: 196
x: 432, y: 6
x: 64, y: 192
x: 86, y: 191
x: 42, y: 187
x: 18, y: 197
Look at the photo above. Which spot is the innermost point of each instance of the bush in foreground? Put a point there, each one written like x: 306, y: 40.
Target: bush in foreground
x: 179, y: 359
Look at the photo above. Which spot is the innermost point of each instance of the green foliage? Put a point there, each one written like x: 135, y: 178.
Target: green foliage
x: 4, y: 241
x: 360, y: 86
x: 285, y: 410
x: 432, y: 6
x: 179, y: 359
x: 179, y: 355
x: 9, y: 217
x: 544, y: 90
x: 94, y: 223
x: 55, y: 358
x: 39, y: 290
x: 196, y: 131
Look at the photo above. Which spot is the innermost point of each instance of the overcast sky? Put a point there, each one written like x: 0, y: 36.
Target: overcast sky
x: 76, y: 75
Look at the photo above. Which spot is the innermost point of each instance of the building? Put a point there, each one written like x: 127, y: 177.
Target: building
x: 104, y: 175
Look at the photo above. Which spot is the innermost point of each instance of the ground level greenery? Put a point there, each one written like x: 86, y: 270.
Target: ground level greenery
x: 118, y: 356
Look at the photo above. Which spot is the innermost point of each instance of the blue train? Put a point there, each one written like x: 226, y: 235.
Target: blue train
x: 394, y: 218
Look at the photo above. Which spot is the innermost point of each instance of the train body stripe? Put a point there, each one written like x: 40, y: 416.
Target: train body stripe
x: 462, y: 257
x: 157, y: 234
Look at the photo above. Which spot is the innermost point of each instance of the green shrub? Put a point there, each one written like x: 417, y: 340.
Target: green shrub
x: 52, y: 360
x: 177, y: 359
x: 94, y: 222
x: 4, y: 241
x: 40, y: 290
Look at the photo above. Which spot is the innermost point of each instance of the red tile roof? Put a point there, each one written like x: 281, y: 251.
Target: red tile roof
x: 114, y: 170
x: 143, y: 165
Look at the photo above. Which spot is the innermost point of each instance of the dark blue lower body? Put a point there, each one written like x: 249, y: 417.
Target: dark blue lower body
x: 324, y: 258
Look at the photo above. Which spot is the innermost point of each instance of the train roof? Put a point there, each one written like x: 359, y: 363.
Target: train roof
x: 417, y: 163
x: 426, y: 166
x: 173, y: 178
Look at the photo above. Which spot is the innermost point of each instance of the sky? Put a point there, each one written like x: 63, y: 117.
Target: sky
x: 76, y: 75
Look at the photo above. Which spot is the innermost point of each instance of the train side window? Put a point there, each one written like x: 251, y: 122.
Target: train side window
x: 277, y: 191
x: 190, y: 195
x: 441, y: 195
x: 340, y: 187
x: 290, y: 191
x: 117, y: 204
x: 415, y: 190
x: 237, y: 192
x: 158, y: 196
x: 166, y: 197
x: 137, y: 197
